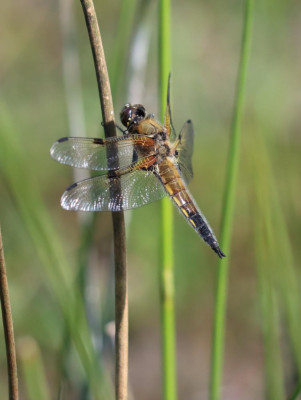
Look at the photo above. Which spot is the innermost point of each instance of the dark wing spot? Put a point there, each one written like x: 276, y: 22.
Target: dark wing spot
x: 98, y: 141
x: 135, y: 156
x: 71, y: 186
x: 112, y: 174
x: 63, y: 139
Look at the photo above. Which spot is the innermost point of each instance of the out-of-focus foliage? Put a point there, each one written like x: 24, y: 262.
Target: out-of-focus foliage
x: 265, y: 252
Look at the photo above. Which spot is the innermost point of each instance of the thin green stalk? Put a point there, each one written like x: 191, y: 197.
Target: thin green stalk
x: 228, y: 211
x: 166, y: 262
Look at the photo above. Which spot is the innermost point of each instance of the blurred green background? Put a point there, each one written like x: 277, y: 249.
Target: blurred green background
x: 263, y: 319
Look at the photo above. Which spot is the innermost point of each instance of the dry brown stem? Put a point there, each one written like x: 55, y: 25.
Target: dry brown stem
x: 121, y: 290
x: 8, y: 328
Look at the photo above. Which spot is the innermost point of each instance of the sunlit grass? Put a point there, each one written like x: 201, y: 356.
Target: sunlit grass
x: 278, y: 281
x: 166, y: 265
x: 49, y: 249
x: 228, y: 211
x: 33, y: 370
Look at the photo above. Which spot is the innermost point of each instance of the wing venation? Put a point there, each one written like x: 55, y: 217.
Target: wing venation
x: 125, y: 192
x: 102, y: 154
x: 185, y: 151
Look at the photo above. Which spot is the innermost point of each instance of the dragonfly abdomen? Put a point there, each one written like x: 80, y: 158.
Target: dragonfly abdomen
x: 175, y: 187
x: 197, y: 220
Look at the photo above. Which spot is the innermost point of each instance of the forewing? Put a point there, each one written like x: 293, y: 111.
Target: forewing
x: 102, y: 193
x: 101, y: 154
x: 167, y: 120
x: 185, y: 150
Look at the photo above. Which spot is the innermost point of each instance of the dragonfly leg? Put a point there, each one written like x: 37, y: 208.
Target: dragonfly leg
x: 124, y: 131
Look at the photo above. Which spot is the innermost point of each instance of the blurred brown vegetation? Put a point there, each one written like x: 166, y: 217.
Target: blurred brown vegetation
x: 205, y: 50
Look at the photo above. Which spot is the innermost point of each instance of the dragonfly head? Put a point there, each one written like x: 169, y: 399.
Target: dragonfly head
x: 132, y: 114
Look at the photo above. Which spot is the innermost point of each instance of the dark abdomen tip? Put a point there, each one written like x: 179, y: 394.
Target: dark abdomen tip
x: 219, y: 252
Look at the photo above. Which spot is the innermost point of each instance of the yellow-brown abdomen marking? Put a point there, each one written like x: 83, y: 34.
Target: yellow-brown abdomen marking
x: 173, y: 187
x: 183, y: 210
x: 176, y: 189
x: 182, y: 198
x: 189, y: 210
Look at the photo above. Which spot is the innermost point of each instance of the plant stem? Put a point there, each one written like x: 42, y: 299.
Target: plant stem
x: 8, y: 328
x: 166, y: 262
x: 228, y: 211
x: 296, y: 392
x: 121, y: 290
x: 102, y: 77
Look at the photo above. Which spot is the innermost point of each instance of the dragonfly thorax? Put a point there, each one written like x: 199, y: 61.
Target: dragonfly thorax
x: 163, y: 148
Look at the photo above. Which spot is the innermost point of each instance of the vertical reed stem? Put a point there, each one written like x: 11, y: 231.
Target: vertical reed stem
x: 121, y: 289
x: 8, y: 329
x: 228, y: 211
x: 166, y: 262
x: 295, y: 395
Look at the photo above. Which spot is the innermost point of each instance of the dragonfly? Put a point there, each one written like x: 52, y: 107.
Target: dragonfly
x: 148, y: 162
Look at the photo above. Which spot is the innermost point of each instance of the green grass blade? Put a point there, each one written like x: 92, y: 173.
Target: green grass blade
x: 33, y: 369
x: 167, y: 303
x: 59, y: 274
x: 166, y: 253
x: 279, y: 268
x: 228, y: 211
x: 267, y: 292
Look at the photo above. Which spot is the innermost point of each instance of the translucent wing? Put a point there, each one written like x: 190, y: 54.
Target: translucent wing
x: 102, y: 154
x: 185, y: 150
x: 167, y: 120
x: 102, y: 193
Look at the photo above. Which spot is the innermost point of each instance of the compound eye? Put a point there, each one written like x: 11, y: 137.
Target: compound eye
x: 126, y: 114
x: 140, y: 112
